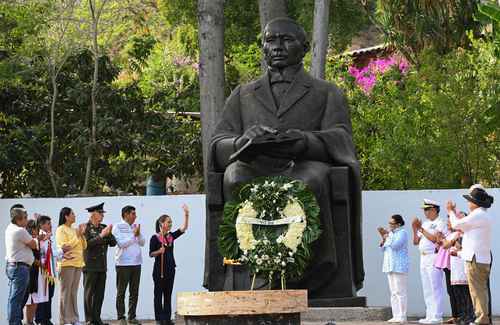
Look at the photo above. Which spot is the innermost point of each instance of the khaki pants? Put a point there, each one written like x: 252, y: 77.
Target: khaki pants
x: 477, y: 277
x: 68, y: 305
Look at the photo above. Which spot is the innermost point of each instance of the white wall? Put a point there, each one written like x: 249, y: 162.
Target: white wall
x: 378, y: 206
x: 189, y: 249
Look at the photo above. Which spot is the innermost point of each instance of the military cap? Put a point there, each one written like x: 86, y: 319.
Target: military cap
x: 98, y: 208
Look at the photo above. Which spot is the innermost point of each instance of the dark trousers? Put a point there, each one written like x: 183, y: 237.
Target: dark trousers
x: 451, y: 294
x: 463, y: 301
x: 127, y: 276
x: 163, y: 296
x: 94, y: 284
x: 44, y: 310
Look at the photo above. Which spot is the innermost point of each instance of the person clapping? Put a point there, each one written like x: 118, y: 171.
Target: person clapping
x: 394, y: 244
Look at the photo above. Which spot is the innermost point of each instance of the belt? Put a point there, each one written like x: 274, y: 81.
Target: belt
x: 427, y: 253
x: 18, y: 264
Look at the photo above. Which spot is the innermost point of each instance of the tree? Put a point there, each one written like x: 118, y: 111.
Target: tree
x: 270, y: 9
x: 413, y: 26
x: 211, y: 68
x: 320, y: 38
x: 59, y: 43
x: 96, y: 11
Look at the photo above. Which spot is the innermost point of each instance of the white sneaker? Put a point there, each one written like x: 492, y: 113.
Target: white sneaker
x: 393, y: 320
x: 435, y: 321
x: 423, y: 321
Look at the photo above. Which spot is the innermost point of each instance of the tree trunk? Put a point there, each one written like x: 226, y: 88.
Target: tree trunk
x: 211, y: 69
x: 268, y: 10
x: 320, y: 38
x: 95, y: 15
x: 50, y: 158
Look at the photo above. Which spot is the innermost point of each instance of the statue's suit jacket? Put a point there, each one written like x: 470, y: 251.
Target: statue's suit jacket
x: 312, y: 105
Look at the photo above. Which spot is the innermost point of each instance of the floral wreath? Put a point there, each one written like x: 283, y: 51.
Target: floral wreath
x: 270, y: 228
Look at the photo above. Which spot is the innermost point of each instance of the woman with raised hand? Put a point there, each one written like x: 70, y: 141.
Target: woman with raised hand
x: 70, y: 269
x: 161, y: 247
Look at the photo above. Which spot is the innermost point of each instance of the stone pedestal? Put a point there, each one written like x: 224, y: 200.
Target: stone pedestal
x: 338, y: 302
x: 273, y: 307
x: 347, y: 314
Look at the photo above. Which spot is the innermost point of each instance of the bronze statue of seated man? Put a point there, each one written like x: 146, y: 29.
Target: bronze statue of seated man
x: 287, y: 102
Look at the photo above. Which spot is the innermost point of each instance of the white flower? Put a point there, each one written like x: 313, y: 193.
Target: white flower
x: 293, y: 237
x: 244, y: 233
x: 290, y: 253
x: 283, y: 263
x: 265, y: 257
x: 279, y: 254
x: 280, y: 239
x: 258, y: 261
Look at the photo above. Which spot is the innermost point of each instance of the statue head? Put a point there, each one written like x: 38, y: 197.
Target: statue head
x: 284, y: 43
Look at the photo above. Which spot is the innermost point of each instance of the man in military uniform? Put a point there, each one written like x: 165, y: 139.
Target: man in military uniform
x: 98, y: 238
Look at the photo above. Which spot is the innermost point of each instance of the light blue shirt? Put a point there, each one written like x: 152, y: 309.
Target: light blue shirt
x: 396, y: 252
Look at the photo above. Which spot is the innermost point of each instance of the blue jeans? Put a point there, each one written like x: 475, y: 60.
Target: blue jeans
x: 18, y: 283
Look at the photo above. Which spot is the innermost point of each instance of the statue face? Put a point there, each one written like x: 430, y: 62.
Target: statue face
x: 282, y: 46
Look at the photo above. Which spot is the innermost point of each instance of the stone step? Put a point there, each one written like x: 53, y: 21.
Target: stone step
x: 346, y: 314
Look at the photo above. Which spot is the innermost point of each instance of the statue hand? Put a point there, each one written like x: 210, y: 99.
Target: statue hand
x: 290, y: 150
x: 251, y: 133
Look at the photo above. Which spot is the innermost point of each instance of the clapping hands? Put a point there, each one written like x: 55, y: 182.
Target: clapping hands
x: 416, y: 224
x: 106, y: 231
x: 382, y: 231
x: 137, y: 230
x: 451, y: 206
x: 81, y: 229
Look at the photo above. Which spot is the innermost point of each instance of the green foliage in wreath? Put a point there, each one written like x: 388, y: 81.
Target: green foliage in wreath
x: 271, y: 227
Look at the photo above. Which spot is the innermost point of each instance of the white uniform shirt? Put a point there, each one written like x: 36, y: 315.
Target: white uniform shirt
x: 432, y: 227
x: 16, y: 248
x: 476, y: 240
x: 129, y: 245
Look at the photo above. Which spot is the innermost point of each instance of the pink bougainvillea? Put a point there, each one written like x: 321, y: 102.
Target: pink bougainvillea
x: 366, y: 77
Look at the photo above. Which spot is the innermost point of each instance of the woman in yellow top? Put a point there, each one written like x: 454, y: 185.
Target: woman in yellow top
x: 70, y: 268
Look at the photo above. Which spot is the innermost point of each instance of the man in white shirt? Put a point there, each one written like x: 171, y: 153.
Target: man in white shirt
x: 476, y: 248
x: 425, y: 236
x: 19, y: 257
x: 128, y: 263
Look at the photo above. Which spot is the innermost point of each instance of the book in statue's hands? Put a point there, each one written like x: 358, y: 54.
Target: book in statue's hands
x: 263, y: 143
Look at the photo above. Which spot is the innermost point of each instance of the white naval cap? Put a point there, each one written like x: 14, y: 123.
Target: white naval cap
x: 475, y: 186
x: 429, y: 204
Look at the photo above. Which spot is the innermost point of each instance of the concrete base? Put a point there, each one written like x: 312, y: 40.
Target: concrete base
x: 338, y: 302
x: 346, y: 314
x: 274, y: 319
x: 338, y: 314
